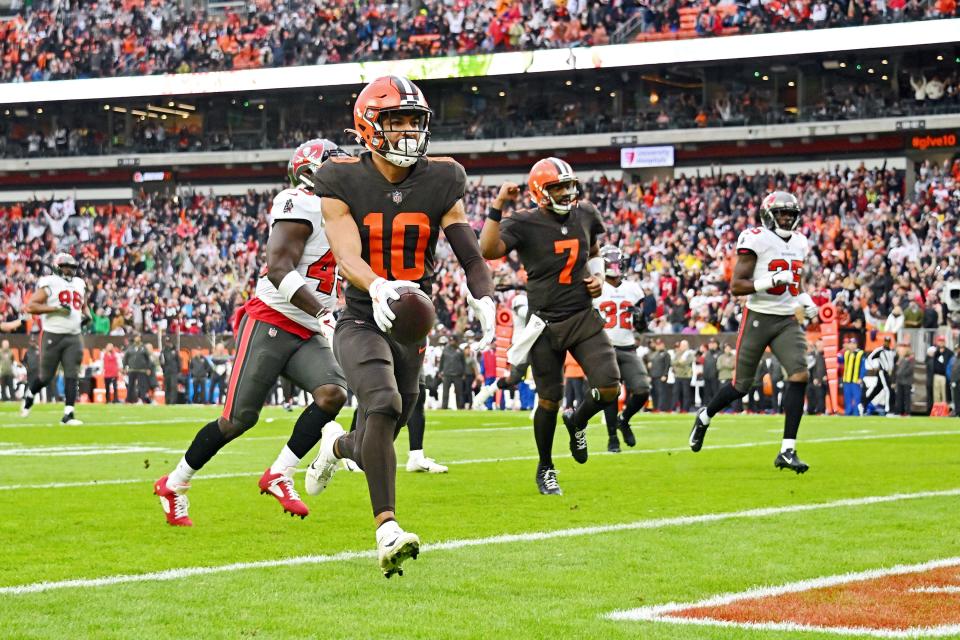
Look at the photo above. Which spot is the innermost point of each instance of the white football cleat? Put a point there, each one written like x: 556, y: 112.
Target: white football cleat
x: 420, y: 464
x: 394, y: 545
x: 321, y: 470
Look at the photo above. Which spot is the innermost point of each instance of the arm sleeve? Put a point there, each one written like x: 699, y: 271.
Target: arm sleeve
x: 465, y: 246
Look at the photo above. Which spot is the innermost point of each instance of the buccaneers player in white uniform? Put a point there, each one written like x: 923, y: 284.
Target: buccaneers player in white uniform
x: 618, y: 305
x: 61, y: 300
x: 769, y: 270
x: 284, y: 330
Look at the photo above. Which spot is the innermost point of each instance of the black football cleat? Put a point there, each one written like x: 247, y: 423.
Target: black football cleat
x: 547, y: 481
x: 788, y: 460
x: 698, y: 433
x: 628, y: 438
x: 578, y: 438
x: 613, y: 445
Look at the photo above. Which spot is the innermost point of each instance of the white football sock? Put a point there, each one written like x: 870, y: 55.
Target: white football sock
x: 704, y: 416
x: 788, y: 443
x: 67, y: 410
x: 181, y: 475
x: 285, y: 460
x: 416, y: 454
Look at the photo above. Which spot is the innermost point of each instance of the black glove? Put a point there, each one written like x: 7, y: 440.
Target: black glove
x: 640, y: 323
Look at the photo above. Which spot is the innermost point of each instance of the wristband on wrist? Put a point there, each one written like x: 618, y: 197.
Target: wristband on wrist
x: 290, y: 284
x: 762, y: 284
x: 494, y: 214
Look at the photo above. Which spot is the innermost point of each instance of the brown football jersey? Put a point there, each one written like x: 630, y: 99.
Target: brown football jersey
x: 554, y: 251
x: 399, y: 223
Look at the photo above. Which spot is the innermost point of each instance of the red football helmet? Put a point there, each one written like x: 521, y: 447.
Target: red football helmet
x: 548, y: 173
x: 392, y: 93
x: 307, y: 158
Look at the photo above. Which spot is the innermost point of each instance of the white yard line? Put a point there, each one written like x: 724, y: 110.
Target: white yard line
x: 55, y: 423
x: 451, y: 545
x: 80, y: 450
x: 741, y: 445
x: 662, y: 613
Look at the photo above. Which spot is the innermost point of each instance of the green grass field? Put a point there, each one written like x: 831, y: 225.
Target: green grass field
x: 77, y: 503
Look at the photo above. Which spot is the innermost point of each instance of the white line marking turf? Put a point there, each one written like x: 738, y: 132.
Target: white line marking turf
x: 661, y: 613
x: 56, y: 424
x: 948, y: 589
x: 741, y: 445
x: 450, y: 545
x: 81, y: 450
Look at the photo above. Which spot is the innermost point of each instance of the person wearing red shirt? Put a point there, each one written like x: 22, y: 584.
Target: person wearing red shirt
x: 111, y: 371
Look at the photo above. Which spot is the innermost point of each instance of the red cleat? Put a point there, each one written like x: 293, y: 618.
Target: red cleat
x: 175, y: 503
x: 280, y: 486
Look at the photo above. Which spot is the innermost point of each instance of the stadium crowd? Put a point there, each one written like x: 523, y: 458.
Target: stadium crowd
x: 186, y: 264
x: 54, y: 40
x: 578, y: 112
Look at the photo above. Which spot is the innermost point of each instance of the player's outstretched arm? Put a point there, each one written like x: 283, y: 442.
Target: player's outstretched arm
x: 463, y: 241
x: 284, y: 250
x: 38, y: 304
x: 344, y: 238
x: 491, y: 245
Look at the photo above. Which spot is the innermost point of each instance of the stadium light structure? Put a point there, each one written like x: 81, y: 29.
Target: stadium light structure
x: 764, y: 45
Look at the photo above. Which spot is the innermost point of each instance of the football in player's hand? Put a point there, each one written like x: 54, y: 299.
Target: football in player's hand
x: 415, y: 316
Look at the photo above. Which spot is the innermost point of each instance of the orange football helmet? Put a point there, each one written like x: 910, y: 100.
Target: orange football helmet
x: 391, y: 93
x: 550, y: 172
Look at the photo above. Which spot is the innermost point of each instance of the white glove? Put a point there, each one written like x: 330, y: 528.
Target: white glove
x: 486, y: 311
x: 810, y: 309
x: 382, y: 291
x: 328, y: 325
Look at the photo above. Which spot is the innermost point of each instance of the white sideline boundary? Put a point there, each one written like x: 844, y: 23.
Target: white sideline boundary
x: 244, y: 474
x: 661, y: 613
x: 450, y: 545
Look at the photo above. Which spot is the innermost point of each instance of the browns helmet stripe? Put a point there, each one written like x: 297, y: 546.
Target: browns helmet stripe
x: 564, y: 170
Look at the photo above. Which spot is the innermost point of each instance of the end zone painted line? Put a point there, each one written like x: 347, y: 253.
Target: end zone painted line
x: 661, y: 613
x: 659, y: 523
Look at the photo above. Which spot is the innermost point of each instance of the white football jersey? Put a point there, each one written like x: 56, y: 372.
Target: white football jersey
x: 775, y: 254
x: 69, y: 294
x: 616, y: 306
x: 317, y: 265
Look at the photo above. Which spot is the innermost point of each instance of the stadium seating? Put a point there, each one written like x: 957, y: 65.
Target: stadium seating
x: 173, y: 37
x: 189, y: 267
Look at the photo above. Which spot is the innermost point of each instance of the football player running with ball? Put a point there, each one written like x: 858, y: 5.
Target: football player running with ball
x: 618, y: 306
x: 61, y: 300
x: 769, y: 270
x: 284, y: 329
x: 558, y: 245
x: 384, y: 211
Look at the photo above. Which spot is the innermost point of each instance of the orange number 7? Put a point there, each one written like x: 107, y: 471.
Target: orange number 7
x: 562, y: 246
